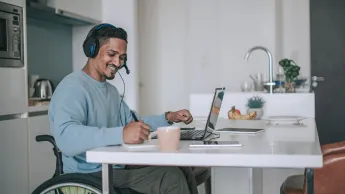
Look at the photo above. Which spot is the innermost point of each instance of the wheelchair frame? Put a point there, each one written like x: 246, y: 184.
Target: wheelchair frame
x: 71, y: 179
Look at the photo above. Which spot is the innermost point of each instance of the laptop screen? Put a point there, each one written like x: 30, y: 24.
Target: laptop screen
x: 215, y: 107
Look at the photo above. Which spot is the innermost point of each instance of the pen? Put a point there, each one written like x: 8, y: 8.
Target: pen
x: 134, y: 117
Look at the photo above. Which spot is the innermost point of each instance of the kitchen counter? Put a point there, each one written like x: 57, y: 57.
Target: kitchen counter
x: 38, y: 108
x: 306, y: 132
x: 296, y: 104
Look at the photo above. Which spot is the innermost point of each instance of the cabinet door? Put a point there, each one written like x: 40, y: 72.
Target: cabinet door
x: 20, y: 3
x: 41, y: 156
x: 14, y: 156
x: 13, y: 96
x: 86, y: 8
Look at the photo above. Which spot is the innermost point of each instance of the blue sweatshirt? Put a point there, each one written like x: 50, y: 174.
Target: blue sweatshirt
x: 85, y: 114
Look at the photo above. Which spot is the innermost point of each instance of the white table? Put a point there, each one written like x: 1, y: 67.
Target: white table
x: 236, y: 169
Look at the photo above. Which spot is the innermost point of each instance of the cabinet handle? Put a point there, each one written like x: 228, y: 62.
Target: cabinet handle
x: 316, y: 78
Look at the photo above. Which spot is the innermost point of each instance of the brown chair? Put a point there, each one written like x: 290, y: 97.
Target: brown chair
x: 330, y: 179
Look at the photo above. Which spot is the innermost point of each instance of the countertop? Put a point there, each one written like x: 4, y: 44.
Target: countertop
x: 37, y: 105
x: 38, y: 108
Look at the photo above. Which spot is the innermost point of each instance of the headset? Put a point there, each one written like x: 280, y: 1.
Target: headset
x: 91, y: 43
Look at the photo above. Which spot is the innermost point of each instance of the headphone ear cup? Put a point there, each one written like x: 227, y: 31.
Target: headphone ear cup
x: 91, y: 43
x: 91, y: 47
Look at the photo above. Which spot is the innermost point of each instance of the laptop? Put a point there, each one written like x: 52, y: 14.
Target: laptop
x: 195, y: 134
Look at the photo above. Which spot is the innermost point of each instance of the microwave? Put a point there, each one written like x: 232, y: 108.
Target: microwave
x: 11, y: 36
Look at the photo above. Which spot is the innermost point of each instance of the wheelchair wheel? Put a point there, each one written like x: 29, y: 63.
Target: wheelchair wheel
x: 70, y: 184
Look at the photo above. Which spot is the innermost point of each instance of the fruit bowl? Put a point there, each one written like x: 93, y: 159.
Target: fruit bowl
x: 235, y: 114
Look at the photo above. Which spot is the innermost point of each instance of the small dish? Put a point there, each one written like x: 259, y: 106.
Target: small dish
x: 284, y: 120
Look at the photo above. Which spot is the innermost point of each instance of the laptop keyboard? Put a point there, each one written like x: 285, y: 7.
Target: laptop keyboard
x: 191, y: 134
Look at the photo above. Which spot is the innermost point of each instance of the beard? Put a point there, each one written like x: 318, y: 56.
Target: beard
x: 109, y: 77
x: 113, y: 70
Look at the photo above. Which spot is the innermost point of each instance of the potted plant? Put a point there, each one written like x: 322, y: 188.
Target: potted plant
x: 256, y: 104
x: 291, y: 72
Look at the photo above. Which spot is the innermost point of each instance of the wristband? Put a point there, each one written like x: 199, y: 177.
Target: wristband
x: 166, y: 118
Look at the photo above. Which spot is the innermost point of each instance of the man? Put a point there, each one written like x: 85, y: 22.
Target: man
x: 87, y: 112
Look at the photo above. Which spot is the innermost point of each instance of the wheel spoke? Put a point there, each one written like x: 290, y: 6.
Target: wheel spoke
x: 71, y: 188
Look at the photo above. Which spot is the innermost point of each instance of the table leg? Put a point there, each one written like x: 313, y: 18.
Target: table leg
x: 236, y: 180
x: 107, y: 177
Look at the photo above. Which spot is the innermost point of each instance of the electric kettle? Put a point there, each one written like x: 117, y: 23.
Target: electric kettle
x: 43, y: 89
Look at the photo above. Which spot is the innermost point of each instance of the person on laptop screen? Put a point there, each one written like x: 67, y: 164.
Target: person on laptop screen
x: 87, y: 112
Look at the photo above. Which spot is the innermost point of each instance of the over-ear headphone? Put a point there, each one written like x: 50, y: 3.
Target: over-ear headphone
x: 91, y: 43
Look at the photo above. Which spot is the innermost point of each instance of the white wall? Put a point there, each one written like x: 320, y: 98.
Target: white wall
x: 149, y: 67
x: 124, y: 14
x: 121, y: 14
x: 295, y: 42
x: 78, y: 36
x: 193, y: 46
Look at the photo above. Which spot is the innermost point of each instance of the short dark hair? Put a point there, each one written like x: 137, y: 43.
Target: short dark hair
x: 105, y: 33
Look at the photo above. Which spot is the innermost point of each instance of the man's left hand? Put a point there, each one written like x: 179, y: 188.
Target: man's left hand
x: 180, y: 116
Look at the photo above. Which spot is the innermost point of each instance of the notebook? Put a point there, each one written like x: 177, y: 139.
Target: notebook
x: 146, y: 145
x: 241, y: 130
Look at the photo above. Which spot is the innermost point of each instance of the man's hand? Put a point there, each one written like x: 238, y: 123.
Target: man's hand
x: 180, y: 116
x: 136, y: 132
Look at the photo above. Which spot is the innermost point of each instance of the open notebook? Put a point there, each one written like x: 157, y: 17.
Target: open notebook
x: 145, y: 145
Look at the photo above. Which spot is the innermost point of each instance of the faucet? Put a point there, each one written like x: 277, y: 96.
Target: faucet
x: 270, y: 68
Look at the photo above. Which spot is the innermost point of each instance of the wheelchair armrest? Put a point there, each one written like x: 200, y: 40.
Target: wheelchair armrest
x: 40, y: 138
x: 57, y: 153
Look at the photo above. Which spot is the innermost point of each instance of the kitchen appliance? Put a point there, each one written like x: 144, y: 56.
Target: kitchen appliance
x: 11, y: 36
x: 43, y: 89
x: 14, y: 133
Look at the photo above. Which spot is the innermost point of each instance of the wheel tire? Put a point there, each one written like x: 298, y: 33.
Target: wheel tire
x: 79, y: 178
x: 70, y: 178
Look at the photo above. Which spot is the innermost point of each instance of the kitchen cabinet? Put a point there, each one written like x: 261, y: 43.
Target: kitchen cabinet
x: 14, y: 156
x: 86, y: 8
x: 41, y: 156
x: 20, y: 3
x: 13, y: 91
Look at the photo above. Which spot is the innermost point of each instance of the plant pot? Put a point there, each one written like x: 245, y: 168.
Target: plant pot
x: 259, y: 112
x: 290, y: 87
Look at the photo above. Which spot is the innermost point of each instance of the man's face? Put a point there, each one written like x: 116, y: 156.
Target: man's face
x: 111, y: 57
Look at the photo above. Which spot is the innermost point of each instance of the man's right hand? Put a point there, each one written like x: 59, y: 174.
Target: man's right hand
x: 136, y: 132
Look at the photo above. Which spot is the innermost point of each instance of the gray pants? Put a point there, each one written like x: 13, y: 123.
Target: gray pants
x: 155, y: 179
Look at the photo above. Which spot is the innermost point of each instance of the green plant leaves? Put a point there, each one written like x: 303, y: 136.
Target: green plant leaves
x: 255, y: 102
x: 291, y: 69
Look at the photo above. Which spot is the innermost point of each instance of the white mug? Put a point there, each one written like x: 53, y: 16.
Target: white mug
x: 168, y: 138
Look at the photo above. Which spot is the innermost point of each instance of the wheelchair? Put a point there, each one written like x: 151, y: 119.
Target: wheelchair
x: 71, y: 183
x: 79, y: 183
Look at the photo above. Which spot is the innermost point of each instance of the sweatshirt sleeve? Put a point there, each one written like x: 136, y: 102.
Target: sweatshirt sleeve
x: 154, y: 121
x: 68, y: 115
